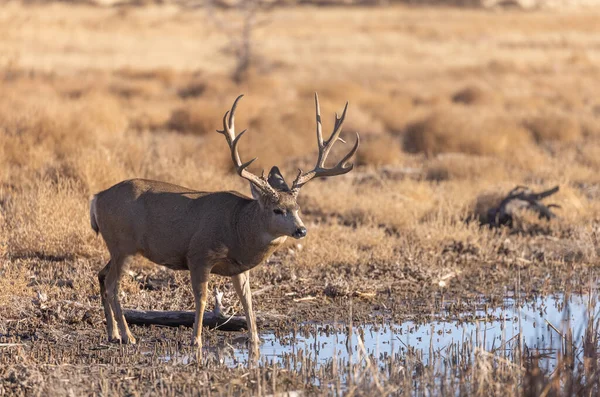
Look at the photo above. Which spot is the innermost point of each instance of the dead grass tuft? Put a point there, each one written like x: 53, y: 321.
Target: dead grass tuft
x: 453, y: 166
x: 61, y: 125
x: 13, y: 285
x: 192, y: 89
x: 391, y: 111
x: 197, y: 117
x: 347, y: 246
x: 379, y: 150
x: 590, y: 126
x: 52, y: 221
x: 554, y: 127
x: 164, y: 75
x: 475, y: 95
x: 456, y: 129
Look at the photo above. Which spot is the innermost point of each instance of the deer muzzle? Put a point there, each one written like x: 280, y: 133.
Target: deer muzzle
x: 299, y: 233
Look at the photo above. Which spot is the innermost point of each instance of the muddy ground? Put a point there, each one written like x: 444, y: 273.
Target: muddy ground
x: 53, y: 339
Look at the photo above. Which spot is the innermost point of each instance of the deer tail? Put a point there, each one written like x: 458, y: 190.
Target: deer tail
x: 93, y: 220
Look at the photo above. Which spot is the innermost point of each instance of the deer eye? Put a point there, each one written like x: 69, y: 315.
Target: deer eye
x: 278, y: 211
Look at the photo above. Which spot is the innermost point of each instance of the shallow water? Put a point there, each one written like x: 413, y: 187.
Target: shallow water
x: 537, y: 328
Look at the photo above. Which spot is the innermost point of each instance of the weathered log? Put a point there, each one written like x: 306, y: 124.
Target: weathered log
x: 185, y: 318
x: 214, y: 319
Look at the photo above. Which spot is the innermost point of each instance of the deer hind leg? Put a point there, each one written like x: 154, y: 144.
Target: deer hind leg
x: 111, y: 324
x: 200, y: 288
x: 112, y: 283
x: 241, y: 283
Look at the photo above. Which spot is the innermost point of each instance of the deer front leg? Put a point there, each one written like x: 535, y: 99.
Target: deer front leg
x: 200, y: 288
x: 241, y: 283
x: 111, y: 323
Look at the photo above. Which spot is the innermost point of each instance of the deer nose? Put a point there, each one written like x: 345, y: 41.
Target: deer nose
x: 300, y: 232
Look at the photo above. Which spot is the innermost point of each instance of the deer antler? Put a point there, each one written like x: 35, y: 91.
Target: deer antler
x: 232, y: 140
x: 324, y: 148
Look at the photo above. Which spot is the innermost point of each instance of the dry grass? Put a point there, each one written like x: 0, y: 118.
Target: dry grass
x: 554, y: 127
x: 475, y: 95
x: 196, y: 117
x: 13, y: 285
x: 462, y: 130
x: 85, y: 129
x: 101, y: 95
x: 380, y: 150
x: 461, y: 166
x: 67, y: 135
x: 51, y: 222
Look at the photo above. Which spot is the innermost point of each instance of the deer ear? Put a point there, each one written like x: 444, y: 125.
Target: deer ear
x: 260, y: 196
x: 256, y: 192
x: 276, y: 180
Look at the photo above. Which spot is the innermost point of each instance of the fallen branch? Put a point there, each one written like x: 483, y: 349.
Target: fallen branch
x: 184, y: 318
x: 517, y: 199
x: 215, y: 319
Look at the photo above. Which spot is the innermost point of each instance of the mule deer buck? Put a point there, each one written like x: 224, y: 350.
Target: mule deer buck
x: 224, y: 233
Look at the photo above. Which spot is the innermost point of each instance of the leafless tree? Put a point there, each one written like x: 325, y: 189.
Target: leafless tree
x: 242, y: 33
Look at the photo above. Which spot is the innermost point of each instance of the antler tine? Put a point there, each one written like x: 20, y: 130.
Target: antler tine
x: 339, y: 122
x: 319, y: 125
x: 232, y: 113
x: 324, y: 149
x: 234, y: 152
x: 225, y: 130
x: 233, y: 141
x: 350, y: 154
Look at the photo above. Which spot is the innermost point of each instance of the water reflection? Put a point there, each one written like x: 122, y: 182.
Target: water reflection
x: 542, y: 328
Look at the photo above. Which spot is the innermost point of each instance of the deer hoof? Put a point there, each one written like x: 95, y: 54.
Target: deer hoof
x: 128, y: 340
x: 114, y: 339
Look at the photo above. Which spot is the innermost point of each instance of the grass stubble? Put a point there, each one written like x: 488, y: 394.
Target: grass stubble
x: 449, y: 125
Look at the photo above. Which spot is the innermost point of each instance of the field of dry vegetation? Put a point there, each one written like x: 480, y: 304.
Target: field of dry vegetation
x: 455, y: 107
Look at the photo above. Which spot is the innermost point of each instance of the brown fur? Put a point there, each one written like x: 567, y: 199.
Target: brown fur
x: 168, y: 224
x: 225, y: 233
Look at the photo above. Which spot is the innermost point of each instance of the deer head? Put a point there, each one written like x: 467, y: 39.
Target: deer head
x: 276, y: 199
